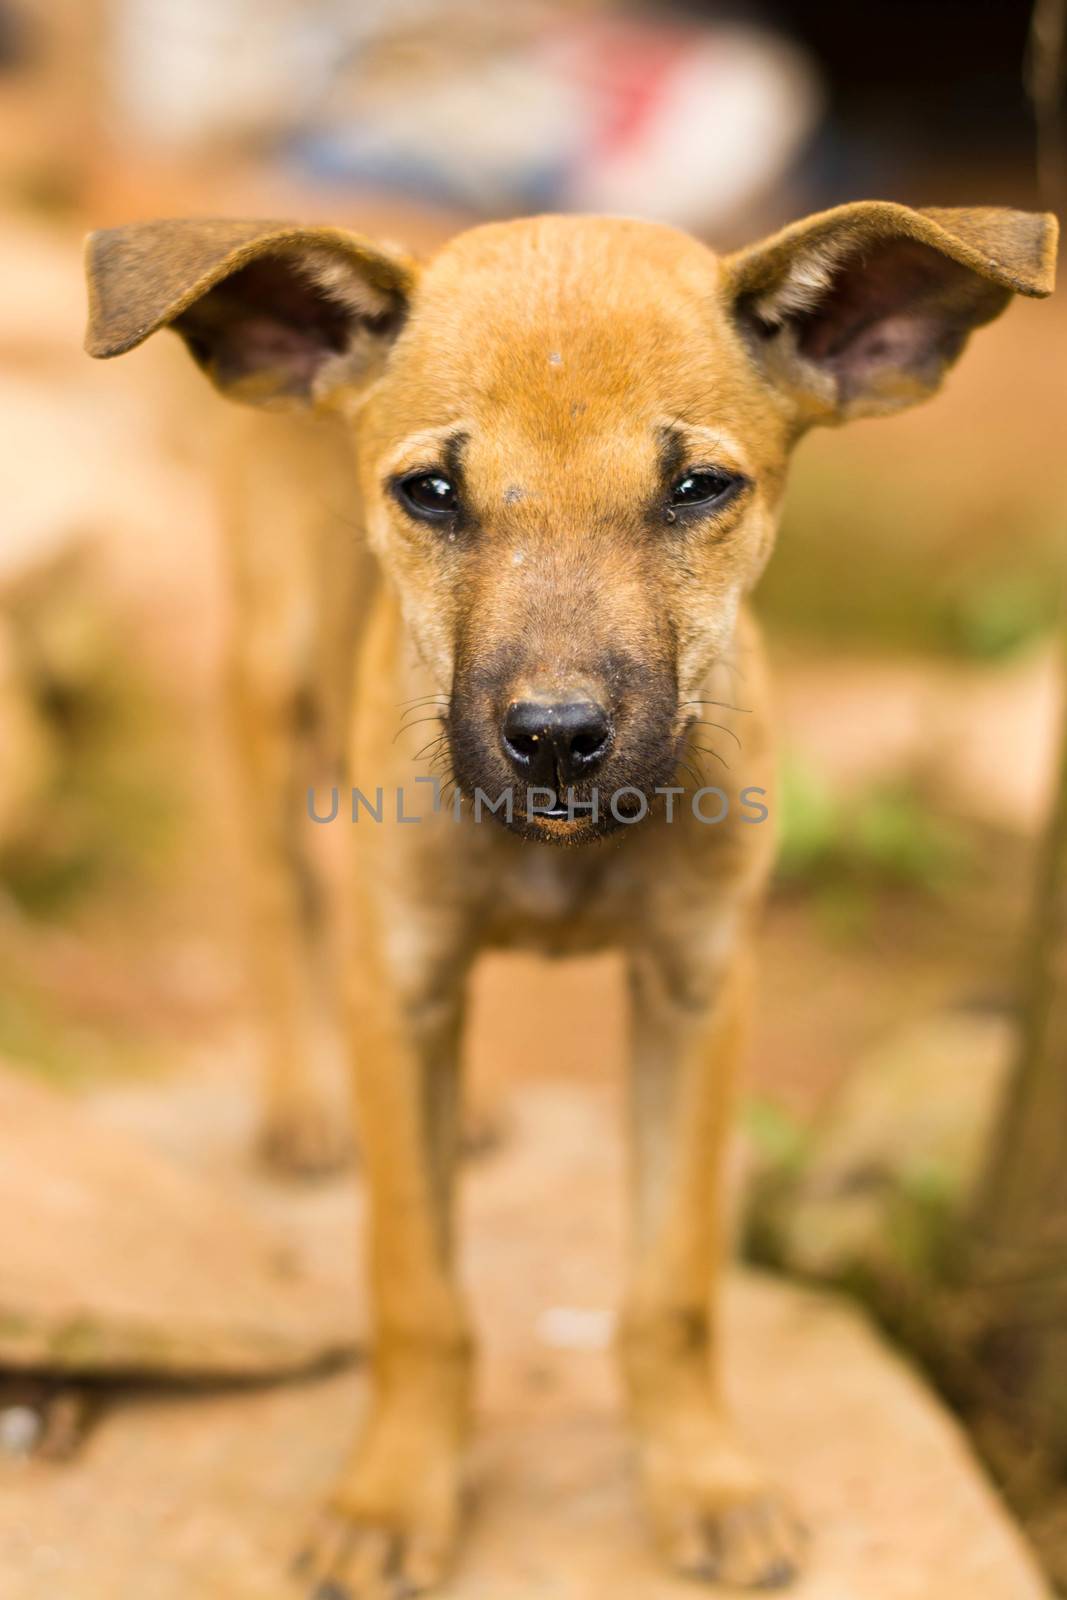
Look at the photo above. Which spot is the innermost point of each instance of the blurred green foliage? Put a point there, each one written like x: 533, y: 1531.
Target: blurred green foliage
x: 877, y: 558
x: 888, y: 834
x: 106, y: 813
x: 103, y: 803
x: 780, y: 1140
x: 39, y: 1034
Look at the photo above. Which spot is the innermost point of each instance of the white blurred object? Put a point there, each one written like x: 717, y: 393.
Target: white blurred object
x: 20, y: 1430
x: 576, y: 1328
x: 713, y: 123
x: 188, y: 71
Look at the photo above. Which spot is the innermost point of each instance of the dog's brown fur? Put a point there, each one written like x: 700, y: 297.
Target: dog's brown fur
x: 563, y: 373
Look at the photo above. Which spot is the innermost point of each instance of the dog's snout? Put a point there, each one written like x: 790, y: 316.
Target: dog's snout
x: 550, y: 743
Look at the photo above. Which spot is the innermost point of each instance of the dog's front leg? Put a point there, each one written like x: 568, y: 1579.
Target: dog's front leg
x: 392, y: 1522
x: 712, y: 1510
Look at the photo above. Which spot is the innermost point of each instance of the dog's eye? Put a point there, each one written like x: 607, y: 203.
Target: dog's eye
x: 428, y: 495
x: 708, y: 488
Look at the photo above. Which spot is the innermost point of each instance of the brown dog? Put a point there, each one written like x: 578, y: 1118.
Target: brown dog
x: 570, y: 439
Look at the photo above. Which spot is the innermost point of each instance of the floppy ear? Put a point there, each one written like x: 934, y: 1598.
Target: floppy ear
x: 275, y: 313
x: 860, y: 311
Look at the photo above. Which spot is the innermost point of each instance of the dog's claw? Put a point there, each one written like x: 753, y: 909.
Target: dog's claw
x: 756, y: 1544
x: 351, y: 1559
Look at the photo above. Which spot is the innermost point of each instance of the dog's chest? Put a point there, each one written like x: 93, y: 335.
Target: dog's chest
x: 558, y: 900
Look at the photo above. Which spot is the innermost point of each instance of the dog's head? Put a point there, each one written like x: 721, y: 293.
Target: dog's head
x: 572, y: 432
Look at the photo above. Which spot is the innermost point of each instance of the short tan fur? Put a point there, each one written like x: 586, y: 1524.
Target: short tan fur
x: 566, y: 441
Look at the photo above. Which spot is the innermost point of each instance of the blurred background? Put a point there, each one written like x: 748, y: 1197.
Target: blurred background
x: 913, y: 605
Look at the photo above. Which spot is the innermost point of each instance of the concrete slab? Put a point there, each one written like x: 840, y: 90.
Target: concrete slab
x: 177, y: 1497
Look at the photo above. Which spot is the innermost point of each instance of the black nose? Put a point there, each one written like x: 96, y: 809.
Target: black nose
x: 552, y: 743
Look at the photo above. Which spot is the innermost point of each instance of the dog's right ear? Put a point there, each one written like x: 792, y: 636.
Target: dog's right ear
x: 275, y: 313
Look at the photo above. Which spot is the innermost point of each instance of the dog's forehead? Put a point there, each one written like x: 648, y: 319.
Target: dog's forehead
x: 601, y: 252
x: 562, y: 275
x: 551, y: 319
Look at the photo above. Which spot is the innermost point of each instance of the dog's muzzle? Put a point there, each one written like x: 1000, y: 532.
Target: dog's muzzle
x: 554, y: 744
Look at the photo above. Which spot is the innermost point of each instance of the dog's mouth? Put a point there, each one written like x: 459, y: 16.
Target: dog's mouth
x: 564, y: 819
x: 575, y: 816
x: 552, y: 813
x: 536, y: 813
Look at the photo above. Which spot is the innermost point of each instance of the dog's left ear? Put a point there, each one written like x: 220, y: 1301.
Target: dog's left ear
x: 861, y: 310
x: 275, y: 313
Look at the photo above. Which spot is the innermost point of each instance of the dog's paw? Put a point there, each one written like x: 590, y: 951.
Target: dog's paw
x: 351, y: 1555
x: 714, y: 1515
x: 391, y: 1527
x: 756, y: 1543
x: 304, y: 1142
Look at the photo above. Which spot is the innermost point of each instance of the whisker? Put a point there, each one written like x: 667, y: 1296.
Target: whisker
x: 405, y: 727
x: 725, y: 704
x: 409, y: 720
x: 708, y: 751
x: 426, y: 706
x: 419, y: 722
x: 701, y: 722
x: 693, y: 767
x: 434, y: 744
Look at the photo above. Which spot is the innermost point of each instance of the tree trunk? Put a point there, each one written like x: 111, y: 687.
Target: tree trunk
x: 1018, y: 1261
